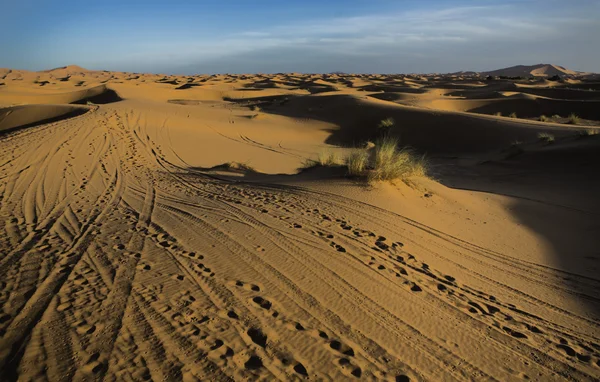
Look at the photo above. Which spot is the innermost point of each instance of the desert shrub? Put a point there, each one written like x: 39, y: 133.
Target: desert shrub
x: 392, y: 163
x: 589, y: 132
x: 546, y: 137
x: 543, y: 118
x: 512, y: 115
x: 573, y: 119
x: 357, y: 162
x: 387, y: 162
x: 328, y: 158
x: 498, y: 114
x: 556, y: 116
x: 386, y: 124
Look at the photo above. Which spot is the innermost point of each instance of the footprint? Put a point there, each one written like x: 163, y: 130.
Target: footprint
x: 265, y: 304
x: 567, y: 349
x: 300, y: 369
x: 253, y: 363
x: 232, y: 314
x: 337, y: 345
x: 257, y: 336
x: 516, y: 334
x: 357, y: 372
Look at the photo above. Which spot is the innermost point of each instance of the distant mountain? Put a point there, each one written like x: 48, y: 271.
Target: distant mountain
x: 540, y: 70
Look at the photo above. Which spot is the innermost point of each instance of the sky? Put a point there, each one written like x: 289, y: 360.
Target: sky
x: 309, y: 36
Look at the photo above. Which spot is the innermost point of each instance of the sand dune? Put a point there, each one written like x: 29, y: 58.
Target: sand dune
x: 539, y: 70
x: 166, y: 232
x: 30, y: 115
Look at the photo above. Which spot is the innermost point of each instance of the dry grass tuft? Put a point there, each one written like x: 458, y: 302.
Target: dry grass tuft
x: 386, y: 124
x: 329, y: 158
x: 391, y: 163
x: 512, y: 115
x: 574, y: 119
x: 357, y: 162
x: 549, y: 138
x: 543, y: 118
x: 589, y: 132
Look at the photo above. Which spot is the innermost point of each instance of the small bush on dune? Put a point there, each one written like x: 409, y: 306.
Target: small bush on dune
x: 498, y: 114
x: 512, y: 115
x: 357, y: 162
x: 589, y: 132
x: 381, y: 161
x: 543, y: 118
x: 391, y: 163
x: 573, y: 119
x: 329, y: 159
x: 325, y: 159
x: 556, y: 116
x: 546, y: 137
x: 385, y: 125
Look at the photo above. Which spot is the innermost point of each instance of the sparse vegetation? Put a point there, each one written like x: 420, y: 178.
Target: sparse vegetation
x: 589, y: 132
x: 549, y: 138
x: 357, y: 162
x: 556, y: 116
x: 391, y: 163
x: 498, y: 114
x: 329, y: 158
x: 385, y: 125
x: 379, y: 162
x: 512, y: 115
x: 543, y: 118
x: 574, y: 119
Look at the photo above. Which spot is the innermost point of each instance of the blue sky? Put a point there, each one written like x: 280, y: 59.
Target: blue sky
x: 242, y: 36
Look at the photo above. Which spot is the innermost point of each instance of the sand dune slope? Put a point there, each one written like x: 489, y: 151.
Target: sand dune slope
x: 123, y: 258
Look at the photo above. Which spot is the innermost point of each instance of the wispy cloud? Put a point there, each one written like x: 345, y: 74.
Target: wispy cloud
x: 484, y: 36
x: 411, y: 31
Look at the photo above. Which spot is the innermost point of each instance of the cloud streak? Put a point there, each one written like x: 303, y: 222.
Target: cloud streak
x: 485, y: 36
x: 410, y: 33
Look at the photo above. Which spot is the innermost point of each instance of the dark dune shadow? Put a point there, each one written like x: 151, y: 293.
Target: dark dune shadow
x: 528, y: 108
x: 555, y: 194
x: 108, y: 96
x: 430, y: 131
x: 187, y: 85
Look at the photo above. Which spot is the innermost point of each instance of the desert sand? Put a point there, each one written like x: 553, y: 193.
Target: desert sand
x: 157, y: 227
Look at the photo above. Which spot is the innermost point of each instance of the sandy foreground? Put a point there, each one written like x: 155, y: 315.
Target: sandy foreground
x: 157, y: 228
